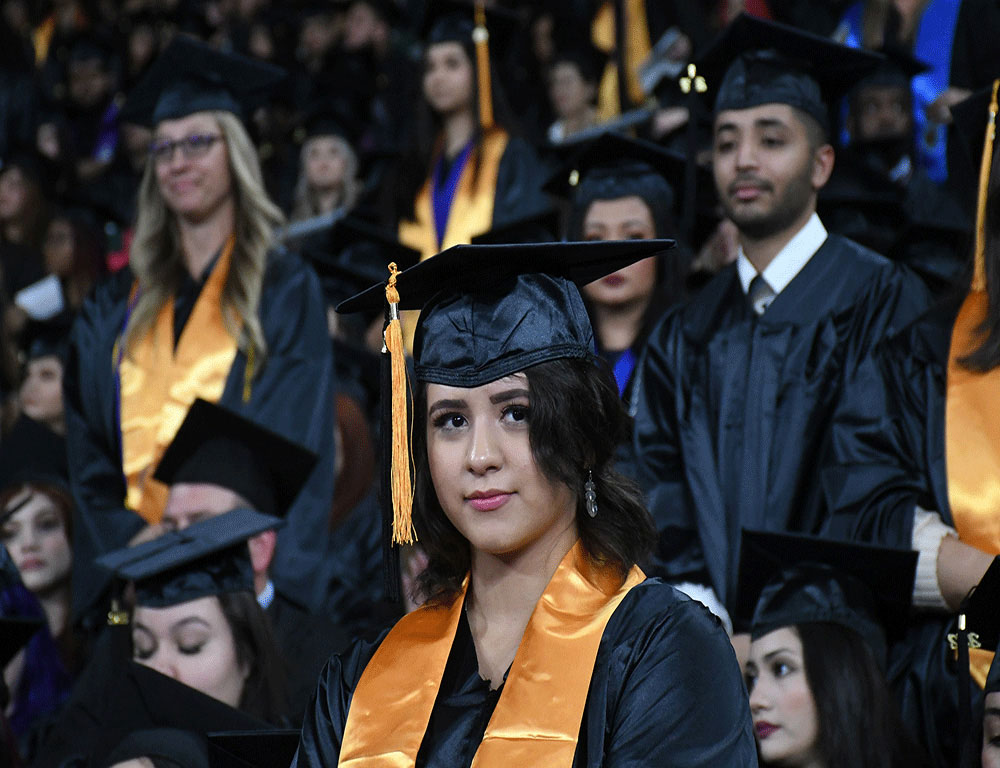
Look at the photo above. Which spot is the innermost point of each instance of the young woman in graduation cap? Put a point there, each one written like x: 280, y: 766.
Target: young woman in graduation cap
x: 818, y: 611
x: 467, y: 173
x: 541, y: 642
x: 208, y: 308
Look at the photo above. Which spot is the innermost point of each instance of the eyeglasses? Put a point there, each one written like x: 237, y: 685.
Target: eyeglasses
x: 191, y: 147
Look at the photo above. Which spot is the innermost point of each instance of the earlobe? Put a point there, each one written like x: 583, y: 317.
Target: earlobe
x: 823, y: 159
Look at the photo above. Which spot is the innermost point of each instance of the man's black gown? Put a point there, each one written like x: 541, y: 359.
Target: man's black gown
x: 734, y: 409
x: 292, y: 393
x: 666, y: 691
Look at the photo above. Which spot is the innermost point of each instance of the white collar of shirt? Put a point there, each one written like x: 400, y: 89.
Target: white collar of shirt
x: 790, y: 259
x: 266, y: 597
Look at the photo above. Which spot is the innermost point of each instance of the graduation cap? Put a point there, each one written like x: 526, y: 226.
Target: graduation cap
x: 32, y: 453
x: 541, y: 226
x: 253, y: 749
x: 209, y: 557
x: 475, y: 26
x: 215, y: 445
x: 190, y: 76
x: 488, y: 311
x: 46, y: 338
x: 785, y: 580
x: 755, y: 62
x: 179, y: 747
x: 323, y: 120
x: 898, y: 69
x: 582, y: 54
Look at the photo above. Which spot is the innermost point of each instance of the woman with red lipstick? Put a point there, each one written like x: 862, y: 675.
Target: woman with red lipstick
x: 816, y: 670
x: 541, y: 642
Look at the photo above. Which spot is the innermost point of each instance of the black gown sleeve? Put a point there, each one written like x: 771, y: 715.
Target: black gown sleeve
x: 100, y: 520
x: 519, y: 184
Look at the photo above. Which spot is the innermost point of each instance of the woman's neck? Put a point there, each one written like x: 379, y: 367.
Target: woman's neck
x: 55, y: 605
x: 326, y: 200
x: 502, y: 596
x: 458, y: 129
x: 201, y: 240
x: 13, y: 232
x: 618, y: 326
x: 577, y: 122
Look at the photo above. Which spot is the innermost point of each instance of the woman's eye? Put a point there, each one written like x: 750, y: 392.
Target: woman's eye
x: 516, y: 413
x: 780, y: 668
x: 449, y: 421
x: 141, y: 650
x: 50, y: 523
x: 772, y: 141
x: 192, y: 649
x: 6, y: 534
x: 724, y: 146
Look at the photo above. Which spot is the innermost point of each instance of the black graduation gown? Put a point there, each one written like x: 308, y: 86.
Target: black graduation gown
x: 666, y: 691
x: 292, y: 393
x: 519, y: 184
x: 734, y: 410
x: 888, y: 456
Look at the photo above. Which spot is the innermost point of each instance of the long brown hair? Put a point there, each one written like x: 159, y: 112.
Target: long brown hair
x: 156, y: 258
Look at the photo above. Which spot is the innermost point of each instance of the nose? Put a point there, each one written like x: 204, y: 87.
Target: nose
x: 759, y: 701
x: 163, y: 664
x: 746, y: 155
x: 484, y: 454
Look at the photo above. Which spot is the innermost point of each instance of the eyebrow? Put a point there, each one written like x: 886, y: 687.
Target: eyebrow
x: 190, y: 620
x: 772, y: 654
x: 447, y: 404
x: 509, y: 394
x: 994, y: 711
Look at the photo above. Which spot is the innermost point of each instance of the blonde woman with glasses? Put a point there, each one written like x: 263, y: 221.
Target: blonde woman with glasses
x: 208, y: 308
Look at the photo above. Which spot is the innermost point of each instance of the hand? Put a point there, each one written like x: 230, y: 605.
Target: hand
x: 960, y: 567
x: 939, y: 110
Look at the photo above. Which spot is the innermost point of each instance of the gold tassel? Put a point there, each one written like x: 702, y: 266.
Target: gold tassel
x: 399, y: 472
x: 481, y: 37
x: 979, y: 270
x: 248, y: 374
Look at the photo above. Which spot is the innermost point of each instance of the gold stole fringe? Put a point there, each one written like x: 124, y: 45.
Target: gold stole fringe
x: 637, y: 48
x: 537, y: 719
x: 471, y: 212
x: 159, y: 384
x: 972, y: 449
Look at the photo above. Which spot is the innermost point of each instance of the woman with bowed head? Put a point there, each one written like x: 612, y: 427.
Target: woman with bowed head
x: 816, y: 674
x: 541, y: 641
x: 208, y: 308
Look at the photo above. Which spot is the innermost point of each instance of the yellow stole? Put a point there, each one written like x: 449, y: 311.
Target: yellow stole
x: 972, y: 449
x: 471, y: 211
x: 537, y: 718
x: 158, y: 384
x: 637, y: 48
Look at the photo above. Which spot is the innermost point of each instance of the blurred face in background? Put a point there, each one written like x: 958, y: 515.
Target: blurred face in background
x: 89, y: 82
x: 448, y: 74
x: 324, y: 162
x: 570, y: 94
x: 41, y: 391
x: 57, y: 248
x: 37, y: 541
x: 195, y: 183
x: 13, y: 193
x: 626, y: 218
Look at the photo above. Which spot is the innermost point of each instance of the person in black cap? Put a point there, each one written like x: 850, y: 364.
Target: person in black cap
x: 573, y: 75
x: 540, y: 641
x: 328, y: 168
x: 208, y: 308
x: 468, y: 173
x: 739, y: 386
x: 40, y: 395
x: 816, y: 673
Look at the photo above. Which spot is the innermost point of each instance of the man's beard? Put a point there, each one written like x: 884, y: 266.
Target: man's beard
x: 787, y: 209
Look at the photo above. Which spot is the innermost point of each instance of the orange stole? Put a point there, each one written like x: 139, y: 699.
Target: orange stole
x: 972, y: 449
x: 637, y: 48
x: 537, y: 718
x: 159, y: 383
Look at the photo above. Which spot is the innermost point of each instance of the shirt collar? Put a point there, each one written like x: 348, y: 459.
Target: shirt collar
x: 266, y: 597
x: 790, y: 259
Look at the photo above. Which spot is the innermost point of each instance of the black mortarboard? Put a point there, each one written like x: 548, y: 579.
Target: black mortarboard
x: 323, y: 120
x: 215, y: 445
x: 786, y: 580
x: 755, y: 62
x: 583, y: 55
x: 492, y: 310
x: 44, y: 338
x: 541, y: 226
x: 32, y: 453
x: 190, y: 76
x: 209, y: 557
x: 253, y: 749
x: 179, y: 747
x: 898, y: 68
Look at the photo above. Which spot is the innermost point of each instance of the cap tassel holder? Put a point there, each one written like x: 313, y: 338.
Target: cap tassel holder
x: 401, y: 486
x: 964, y: 678
x: 979, y: 270
x: 481, y: 38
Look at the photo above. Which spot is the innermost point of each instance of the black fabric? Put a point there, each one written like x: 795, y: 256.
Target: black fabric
x: 734, y: 411
x: 184, y: 748
x: 666, y: 690
x: 32, y: 453
x: 292, y: 394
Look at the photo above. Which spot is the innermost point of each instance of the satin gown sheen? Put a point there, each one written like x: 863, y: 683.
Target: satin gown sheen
x: 666, y: 691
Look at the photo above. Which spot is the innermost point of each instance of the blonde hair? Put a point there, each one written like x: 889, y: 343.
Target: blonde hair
x: 304, y: 201
x: 158, y: 264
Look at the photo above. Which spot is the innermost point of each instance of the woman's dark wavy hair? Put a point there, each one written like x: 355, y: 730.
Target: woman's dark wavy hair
x: 417, y: 164
x: 859, y: 725
x: 986, y: 356
x: 575, y: 422
x: 264, y: 692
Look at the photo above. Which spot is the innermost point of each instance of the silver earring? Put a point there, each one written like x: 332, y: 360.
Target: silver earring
x: 590, y: 494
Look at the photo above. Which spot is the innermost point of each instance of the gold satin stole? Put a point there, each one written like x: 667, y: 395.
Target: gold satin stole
x: 637, y: 48
x: 537, y: 718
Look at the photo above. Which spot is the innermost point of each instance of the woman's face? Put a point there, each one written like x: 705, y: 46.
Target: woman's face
x: 13, y: 194
x: 991, y: 731
x: 192, y: 643
x: 485, y: 474
x: 627, y: 218
x: 41, y: 390
x: 448, y: 78
x: 569, y: 92
x: 35, y: 537
x: 325, y: 163
x: 194, y: 180
x: 58, y: 248
x: 781, y: 703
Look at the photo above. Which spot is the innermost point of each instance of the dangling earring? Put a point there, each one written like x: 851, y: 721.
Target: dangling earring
x: 590, y: 494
